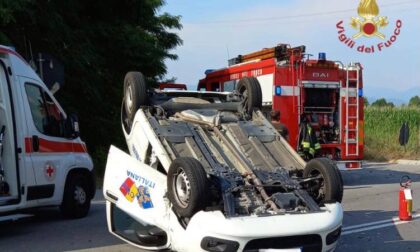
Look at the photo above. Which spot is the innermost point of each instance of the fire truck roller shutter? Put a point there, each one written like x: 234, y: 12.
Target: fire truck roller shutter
x: 250, y: 89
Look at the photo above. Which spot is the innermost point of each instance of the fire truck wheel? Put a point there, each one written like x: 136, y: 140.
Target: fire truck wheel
x: 188, y: 186
x: 135, y: 93
x: 250, y: 89
x: 329, y: 187
x: 76, y: 201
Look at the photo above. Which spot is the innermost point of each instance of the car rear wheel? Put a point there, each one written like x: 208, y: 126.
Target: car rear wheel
x: 250, y: 89
x: 328, y: 188
x: 188, y: 186
x: 135, y: 93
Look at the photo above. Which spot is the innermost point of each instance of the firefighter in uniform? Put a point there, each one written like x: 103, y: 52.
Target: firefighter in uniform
x: 308, y: 142
x: 280, y: 127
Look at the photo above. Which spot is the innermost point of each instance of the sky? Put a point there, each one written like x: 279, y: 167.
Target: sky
x: 216, y: 30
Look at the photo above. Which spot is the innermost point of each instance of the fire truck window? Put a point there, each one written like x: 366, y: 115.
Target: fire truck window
x: 215, y: 86
x: 45, y: 113
x: 201, y: 87
x: 229, y: 86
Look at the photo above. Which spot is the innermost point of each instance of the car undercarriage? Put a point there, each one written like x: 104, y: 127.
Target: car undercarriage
x: 208, y: 172
x: 227, y: 156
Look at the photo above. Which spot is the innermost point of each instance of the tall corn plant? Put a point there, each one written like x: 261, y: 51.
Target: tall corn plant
x: 382, y: 127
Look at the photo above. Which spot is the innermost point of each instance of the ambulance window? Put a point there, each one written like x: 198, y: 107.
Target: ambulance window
x: 45, y: 113
x: 229, y: 86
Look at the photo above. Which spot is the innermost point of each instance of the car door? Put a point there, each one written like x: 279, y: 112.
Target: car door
x: 50, y: 151
x: 137, y: 209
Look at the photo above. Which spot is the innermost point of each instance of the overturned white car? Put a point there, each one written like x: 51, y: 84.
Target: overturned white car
x: 208, y: 172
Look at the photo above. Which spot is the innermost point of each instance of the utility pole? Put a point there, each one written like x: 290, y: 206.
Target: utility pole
x: 41, y: 71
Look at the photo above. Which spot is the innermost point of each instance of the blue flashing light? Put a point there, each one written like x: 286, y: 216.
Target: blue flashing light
x: 360, y: 92
x: 322, y: 56
x: 208, y: 71
x: 277, y: 91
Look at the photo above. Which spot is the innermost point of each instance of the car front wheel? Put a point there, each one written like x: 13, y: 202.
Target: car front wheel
x: 188, y: 186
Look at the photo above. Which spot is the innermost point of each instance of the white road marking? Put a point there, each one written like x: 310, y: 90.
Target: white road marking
x: 376, y: 225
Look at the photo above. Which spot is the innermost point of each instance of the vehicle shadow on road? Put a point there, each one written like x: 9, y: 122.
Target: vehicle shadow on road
x: 381, y: 174
x: 47, y: 230
x: 374, y: 231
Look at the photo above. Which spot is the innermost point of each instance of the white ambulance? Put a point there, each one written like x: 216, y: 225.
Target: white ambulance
x: 43, y: 161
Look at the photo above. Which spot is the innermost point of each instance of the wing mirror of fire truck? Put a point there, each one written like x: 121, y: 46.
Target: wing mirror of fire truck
x: 404, y: 134
x: 72, y: 126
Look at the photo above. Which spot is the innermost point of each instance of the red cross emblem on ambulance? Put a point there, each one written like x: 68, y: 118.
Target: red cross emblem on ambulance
x: 49, y: 171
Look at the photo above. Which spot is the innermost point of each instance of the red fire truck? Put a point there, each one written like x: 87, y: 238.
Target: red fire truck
x: 327, y: 94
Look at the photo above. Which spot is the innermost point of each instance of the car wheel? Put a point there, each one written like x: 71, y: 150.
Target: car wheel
x: 250, y: 89
x: 188, y: 186
x: 135, y: 93
x: 125, y: 121
x: 329, y: 187
x: 76, y: 200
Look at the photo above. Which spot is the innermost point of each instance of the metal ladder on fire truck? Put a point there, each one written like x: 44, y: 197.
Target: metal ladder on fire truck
x: 352, y: 111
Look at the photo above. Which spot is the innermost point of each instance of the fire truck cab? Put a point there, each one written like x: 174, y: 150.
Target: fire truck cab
x: 43, y: 161
x: 326, y: 94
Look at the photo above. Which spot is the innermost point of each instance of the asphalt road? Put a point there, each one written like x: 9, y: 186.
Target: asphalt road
x: 370, y: 203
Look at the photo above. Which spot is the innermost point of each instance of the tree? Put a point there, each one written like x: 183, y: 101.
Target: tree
x: 365, y: 101
x: 382, y: 103
x: 414, y: 101
x: 98, y: 42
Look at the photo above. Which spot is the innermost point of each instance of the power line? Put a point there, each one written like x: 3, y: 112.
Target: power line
x: 239, y: 21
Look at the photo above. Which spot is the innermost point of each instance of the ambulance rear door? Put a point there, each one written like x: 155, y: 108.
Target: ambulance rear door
x: 9, y: 173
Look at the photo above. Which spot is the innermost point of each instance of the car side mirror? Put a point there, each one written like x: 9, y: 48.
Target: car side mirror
x: 72, y: 126
x: 404, y: 134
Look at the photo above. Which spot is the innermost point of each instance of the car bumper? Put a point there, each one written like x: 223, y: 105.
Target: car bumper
x: 308, y: 232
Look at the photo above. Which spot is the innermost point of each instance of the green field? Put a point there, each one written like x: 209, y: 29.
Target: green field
x: 382, y: 127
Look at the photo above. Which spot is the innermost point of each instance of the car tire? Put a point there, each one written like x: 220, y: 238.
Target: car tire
x: 125, y: 121
x: 250, y: 89
x: 330, y: 187
x: 188, y: 186
x: 76, y: 200
x: 135, y: 93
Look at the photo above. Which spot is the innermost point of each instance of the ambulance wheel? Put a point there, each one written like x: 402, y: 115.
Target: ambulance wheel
x: 76, y: 201
x: 188, y: 186
x: 250, y: 89
x: 329, y: 187
x: 135, y: 93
